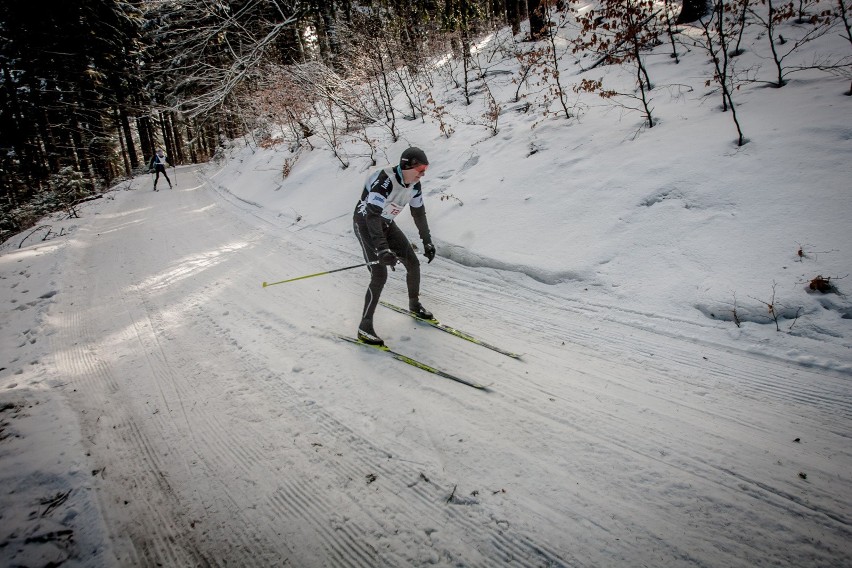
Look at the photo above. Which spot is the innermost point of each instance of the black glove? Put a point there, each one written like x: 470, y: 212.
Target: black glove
x: 388, y: 258
x: 429, y: 251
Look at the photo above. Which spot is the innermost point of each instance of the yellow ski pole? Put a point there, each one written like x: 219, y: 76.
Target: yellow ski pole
x: 265, y: 284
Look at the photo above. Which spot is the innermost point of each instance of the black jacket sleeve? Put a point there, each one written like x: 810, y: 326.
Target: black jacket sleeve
x: 375, y: 227
x: 419, y: 214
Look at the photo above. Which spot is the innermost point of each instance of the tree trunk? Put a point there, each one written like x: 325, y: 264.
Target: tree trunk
x: 329, y: 36
x: 128, y: 170
x: 193, y: 155
x: 168, y: 141
x: 45, y: 153
x: 178, y: 157
x: 691, y: 11
x: 537, y: 20
x: 513, y: 15
x: 146, y: 139
x: 128, y: 137
x: 81, y: 153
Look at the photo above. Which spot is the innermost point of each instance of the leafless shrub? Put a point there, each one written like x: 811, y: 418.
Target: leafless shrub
x: 716, y: 41
x: 773, y: 15
x: 778, y: 311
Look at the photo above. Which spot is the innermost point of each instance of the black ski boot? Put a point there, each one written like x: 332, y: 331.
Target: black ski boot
x: 366, y: 334
x: 418, y: 310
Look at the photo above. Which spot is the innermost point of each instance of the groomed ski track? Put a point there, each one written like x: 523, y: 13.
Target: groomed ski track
x: 233, y: 433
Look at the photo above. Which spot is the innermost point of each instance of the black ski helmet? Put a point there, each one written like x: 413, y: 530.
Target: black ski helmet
x: 413, y: 157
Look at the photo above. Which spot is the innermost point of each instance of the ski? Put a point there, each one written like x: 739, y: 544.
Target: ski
x: 452, y: 331
x: 415, y: 362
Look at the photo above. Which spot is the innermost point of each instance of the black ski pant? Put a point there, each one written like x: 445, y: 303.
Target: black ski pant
x: 161, y: 169
x: 398, y: 243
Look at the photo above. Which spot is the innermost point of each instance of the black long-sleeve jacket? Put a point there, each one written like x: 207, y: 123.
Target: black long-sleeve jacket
x: 384, y: 197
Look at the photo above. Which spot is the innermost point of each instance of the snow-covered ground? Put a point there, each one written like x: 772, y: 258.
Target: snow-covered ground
x: 159, y: 407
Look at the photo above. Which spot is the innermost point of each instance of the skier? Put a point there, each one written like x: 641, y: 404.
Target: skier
x: 385, y: 194
x: 158, y: 164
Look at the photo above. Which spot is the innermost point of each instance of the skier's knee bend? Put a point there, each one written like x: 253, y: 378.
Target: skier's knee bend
x: 413, y: 271
x: 378, y: 276
x: 412, y: 263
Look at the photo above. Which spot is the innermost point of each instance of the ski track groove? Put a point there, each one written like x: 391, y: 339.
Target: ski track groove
x: 169, y: 533
x: 292, y: 497
x: 255, y: 456
x: 161, y: 529
x: 827, y: 395
x: 224, y: 445
x: 795, y: 505
x: 148, y: 334
x: 365, y: 452
x: 369, y: 458
x: 631, y: 445
x: 166, y: 539
x: 74, y: 334
x: 336, y: 431
x: 693, y: 465
x: 396, y: 478
x: 828, y: 392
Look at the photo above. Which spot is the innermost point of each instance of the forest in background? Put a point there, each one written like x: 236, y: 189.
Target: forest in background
x: 89, y: 89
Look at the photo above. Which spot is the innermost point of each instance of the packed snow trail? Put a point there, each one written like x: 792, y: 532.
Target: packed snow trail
x: 231, y: 429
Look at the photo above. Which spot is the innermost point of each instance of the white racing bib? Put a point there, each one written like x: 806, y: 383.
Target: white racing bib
x: 391, y: 196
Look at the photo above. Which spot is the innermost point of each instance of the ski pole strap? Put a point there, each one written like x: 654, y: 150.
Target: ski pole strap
x: 265, y: 284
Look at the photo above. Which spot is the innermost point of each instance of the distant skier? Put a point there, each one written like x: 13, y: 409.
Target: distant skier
x: 158, y: 164
x: 385, y: 194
